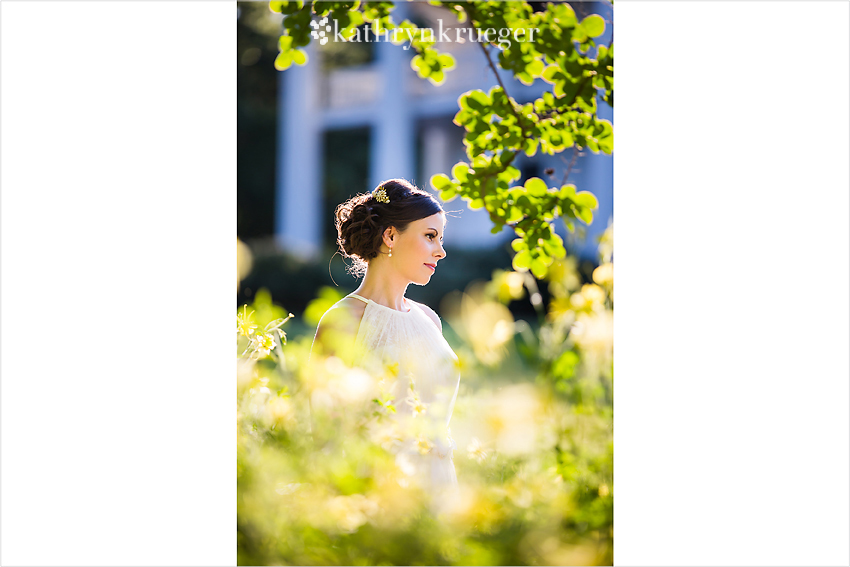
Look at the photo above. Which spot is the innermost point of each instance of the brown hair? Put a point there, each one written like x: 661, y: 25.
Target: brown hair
x: 361, y: 220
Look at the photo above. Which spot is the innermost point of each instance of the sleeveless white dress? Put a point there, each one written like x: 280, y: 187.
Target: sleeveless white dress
x: 425, y: 361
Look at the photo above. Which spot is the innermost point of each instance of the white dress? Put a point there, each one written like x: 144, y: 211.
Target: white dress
x: 426, y: 362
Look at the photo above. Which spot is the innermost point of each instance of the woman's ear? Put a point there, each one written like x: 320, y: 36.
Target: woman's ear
x: 389, y: 236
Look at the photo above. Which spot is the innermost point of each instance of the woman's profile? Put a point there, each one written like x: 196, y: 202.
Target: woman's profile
x: 394, y: 237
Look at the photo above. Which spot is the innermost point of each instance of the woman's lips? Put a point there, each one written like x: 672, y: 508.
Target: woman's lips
x: 432, y: 266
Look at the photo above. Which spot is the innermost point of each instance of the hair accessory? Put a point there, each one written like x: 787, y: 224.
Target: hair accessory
x: 380, y: 195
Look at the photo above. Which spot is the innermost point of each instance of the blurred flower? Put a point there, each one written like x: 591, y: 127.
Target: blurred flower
x: 594, y: 294
x: 405, y: 464
x: 577, y: 300
x: 279, y: 412
x: 387, y: 437
x: 355, y: 385
x: 563, y: 276
x: 416, y: 405
x: 604, y: 274
x: 594, y: 332
x: 486, y: 325
x: 591, y: 296
x: 512, y: 417
x: 506, y: 286
x: 423, y: 445
x: 263, y: 344
x: 245, y: 324
x: 603, y: 490
x: 475, y: 450
x: 350, y: 512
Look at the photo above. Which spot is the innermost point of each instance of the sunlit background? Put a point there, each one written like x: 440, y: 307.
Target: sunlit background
x: 533, y: 420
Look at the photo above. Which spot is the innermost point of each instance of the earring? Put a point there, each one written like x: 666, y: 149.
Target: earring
x: 391, y: 252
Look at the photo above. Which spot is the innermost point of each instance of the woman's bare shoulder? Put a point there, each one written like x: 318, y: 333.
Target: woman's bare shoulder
x: 430, y: 313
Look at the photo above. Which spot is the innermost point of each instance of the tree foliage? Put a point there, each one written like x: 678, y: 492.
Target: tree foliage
x: 563, y: 54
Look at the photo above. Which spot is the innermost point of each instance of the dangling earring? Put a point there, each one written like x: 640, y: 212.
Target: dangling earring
x: 391, y: 252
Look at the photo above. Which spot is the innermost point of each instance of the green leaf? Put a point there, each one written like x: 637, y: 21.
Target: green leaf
x: 299, y: 57
x: 446, y: 61
x: 522, y: 261
x: 440, y: 181
x: 515, y: 214
x: 586, y: 199
x: 283, y: 60
x: 538, y: 268
x: 551, y: 74
x: 536, y: 187
x: 535, y: 68
x: 448, y: 194
x: 518, y: 244
x: 480, y: 97
x: 585, y: 215
x: 460, y: 171
x: 593, y: 25
x: 285, y: 42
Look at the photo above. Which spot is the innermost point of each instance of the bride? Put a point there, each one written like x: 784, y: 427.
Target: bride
x: 394, y: 236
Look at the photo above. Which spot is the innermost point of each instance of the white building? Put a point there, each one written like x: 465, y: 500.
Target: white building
x: 396, y: 105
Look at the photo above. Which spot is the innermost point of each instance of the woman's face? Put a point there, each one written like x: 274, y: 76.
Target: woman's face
x: 417, y: 250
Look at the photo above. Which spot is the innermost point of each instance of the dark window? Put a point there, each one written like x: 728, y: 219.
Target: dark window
x: 346, y: 172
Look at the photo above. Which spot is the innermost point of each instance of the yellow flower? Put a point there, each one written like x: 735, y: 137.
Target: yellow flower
x: 245, y: 325
x: 263, y: 344
x: 416, y: 404
x: 604, y: 274
x: 423, y: 445
x: 593, y: 293
x: 475, y: 450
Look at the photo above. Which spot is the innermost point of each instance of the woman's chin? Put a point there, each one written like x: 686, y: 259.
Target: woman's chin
x: 422, y: 281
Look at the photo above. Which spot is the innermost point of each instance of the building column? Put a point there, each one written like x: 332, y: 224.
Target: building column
x: 299, y: 159
x: 393, y: 132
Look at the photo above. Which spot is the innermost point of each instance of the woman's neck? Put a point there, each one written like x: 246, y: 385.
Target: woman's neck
x: 383, y: 286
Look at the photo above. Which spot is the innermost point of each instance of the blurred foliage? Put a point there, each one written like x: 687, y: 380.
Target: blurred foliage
x: 498, y: 128
x: 319, y: 484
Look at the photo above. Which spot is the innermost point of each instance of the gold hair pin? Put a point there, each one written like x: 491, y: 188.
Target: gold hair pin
x: 380, y: 195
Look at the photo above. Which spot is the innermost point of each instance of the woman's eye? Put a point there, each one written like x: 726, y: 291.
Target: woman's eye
x: 432, y: 236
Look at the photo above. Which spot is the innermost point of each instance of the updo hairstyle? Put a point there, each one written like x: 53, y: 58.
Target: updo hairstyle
x: 361, y: 220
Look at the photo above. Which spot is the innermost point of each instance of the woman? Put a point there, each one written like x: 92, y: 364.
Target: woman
x: 394, y: 236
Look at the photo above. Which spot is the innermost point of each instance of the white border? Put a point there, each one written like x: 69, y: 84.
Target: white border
x: 118, y: 225
x: 732, y: 319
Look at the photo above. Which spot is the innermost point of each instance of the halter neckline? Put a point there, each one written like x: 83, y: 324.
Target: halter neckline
x: 381, y: 306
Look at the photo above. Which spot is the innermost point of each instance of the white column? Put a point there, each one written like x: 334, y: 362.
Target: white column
x: 435, y: 153
x: 393, y: 132
x: 299, y: 160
